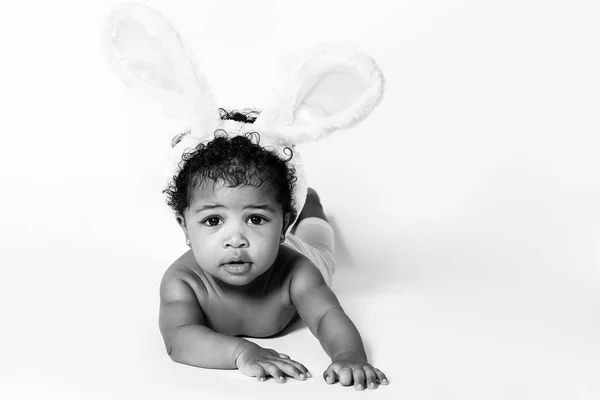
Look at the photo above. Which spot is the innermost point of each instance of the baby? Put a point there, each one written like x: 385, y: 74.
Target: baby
x: 243, y: 277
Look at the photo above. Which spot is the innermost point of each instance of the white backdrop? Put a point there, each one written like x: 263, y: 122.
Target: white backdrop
x: 466, y: 206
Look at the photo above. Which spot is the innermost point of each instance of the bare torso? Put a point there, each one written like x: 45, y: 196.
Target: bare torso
x: 262, y: 309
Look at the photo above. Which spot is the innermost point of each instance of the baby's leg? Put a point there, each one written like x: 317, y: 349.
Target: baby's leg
x: 312, y: 208
x: 313, y: 229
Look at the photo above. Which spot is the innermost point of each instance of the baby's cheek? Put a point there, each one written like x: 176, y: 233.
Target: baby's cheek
x: 275, y: 252
x: 203, y: 257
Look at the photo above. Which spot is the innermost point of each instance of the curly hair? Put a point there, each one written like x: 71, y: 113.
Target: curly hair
x: 234, y: 161
x: 247, y: 116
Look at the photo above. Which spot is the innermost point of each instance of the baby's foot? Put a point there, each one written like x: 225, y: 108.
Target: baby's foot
x: 312, y: 208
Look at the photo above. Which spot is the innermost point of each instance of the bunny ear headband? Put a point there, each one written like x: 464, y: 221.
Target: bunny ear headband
x: 332, y: 88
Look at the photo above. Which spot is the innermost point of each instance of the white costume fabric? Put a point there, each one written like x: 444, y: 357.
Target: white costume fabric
x: 314, y: 239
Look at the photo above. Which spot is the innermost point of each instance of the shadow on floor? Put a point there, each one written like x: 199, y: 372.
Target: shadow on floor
x: 295, y: 325
x: 350, y: 278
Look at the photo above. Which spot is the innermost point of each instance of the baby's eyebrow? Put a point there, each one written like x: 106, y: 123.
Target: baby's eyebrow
x: 209, y: 207
x: 265, y: 207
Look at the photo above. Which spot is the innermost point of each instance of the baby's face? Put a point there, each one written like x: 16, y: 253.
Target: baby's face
x: 235, y: 232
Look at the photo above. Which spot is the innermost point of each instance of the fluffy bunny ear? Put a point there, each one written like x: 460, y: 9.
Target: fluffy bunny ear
x: 336, y: 87
x: 149, y: 56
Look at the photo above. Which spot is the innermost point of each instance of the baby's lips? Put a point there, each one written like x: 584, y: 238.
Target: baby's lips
x: 238, y: 259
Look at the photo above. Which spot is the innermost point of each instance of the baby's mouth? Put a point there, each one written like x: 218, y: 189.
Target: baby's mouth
x: 235, y: 262
x: 237, y: 267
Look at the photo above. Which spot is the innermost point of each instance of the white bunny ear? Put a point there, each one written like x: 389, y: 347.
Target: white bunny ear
x: 149, y: 56
x: 335, y: 88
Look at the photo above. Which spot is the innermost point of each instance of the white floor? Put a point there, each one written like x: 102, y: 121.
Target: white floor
x: 466, y: 206
x: 86, y: 328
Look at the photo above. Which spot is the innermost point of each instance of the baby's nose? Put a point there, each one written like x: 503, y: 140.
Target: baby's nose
x: 236, y: 239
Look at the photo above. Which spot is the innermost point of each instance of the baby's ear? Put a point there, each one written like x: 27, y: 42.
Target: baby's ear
x: 288, y: 220
x: 149, y: 56
x: 181, y: 221
x: 336, y: 87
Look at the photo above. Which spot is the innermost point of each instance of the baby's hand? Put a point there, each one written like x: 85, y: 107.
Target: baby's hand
x: 350, y: 368
x: 259, y: 362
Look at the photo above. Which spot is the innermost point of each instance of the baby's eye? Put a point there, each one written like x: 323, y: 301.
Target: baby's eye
x: 211, y: 221
x: 257, y: 220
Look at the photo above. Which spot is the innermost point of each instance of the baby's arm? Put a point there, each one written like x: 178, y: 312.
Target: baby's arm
x: 190, y: 342
x: 186, y: 337
x: 321, y: 311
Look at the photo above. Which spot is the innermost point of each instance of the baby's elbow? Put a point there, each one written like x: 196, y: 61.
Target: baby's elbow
x: 175, y: 344
x: 331, y: 316
x: 174, y: 353
x: 169, y: 350
x: 171, y: 346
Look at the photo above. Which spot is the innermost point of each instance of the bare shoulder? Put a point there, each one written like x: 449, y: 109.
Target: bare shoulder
x: 181, y: 297
x: 181, y: 281
x: 295, y: 268
x: 304, y: 274
x: 307, y: 286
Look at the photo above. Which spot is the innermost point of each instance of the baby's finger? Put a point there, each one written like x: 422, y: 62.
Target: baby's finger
x: 371, y: 378
x: 290, y: 369
x: 284, y: 356
x: 329, y: 375
x: 273, y: 352
x: 345, y: 375
x: 275, y: 372
x: 359, y: 378
x: 301, y: 367
x: 381, y: 376
x: 257, y: 371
